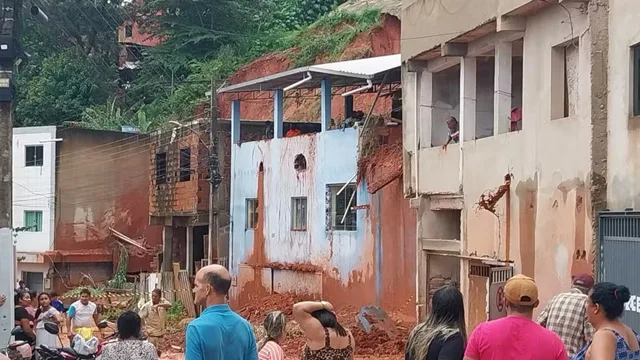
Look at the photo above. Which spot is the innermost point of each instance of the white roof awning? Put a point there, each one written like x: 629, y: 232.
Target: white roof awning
x: 343, y: 73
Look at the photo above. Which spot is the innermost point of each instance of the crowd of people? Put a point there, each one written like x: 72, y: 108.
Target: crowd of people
x: 582, y: 323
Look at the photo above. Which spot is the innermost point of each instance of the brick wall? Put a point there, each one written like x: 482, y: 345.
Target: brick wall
x: 178, y: 196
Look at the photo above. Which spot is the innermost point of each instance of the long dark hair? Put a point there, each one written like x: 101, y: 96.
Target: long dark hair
x: 329, y: 320
x: 445, y: 319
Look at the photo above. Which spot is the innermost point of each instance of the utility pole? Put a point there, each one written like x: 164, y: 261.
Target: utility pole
x: 10, y: 26
x: 9, y: 31
x: 214, y: 178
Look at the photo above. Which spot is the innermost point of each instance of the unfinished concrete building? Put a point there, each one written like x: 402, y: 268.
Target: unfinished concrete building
x: 521, y: 190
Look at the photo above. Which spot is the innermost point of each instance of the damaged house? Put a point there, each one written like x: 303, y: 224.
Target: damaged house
x: 546, y: 94
x: 313, y: 213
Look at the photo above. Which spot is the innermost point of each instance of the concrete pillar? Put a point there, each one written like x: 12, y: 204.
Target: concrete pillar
x: 348, y: 106
x: 425, y: 123
x: 502, y: 86
x: 235, y: 121
x: 190, y: 250
x: 467, y: 98
x: 167, y: 248
x: 278, y: 113
x: 325, y: 104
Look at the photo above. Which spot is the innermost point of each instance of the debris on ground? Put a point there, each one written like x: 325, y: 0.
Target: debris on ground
x: 384, y: 339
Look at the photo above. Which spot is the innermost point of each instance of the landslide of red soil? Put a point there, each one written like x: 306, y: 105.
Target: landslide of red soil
x: 384, y: 40
x: 382, y: 167
x: 375, y: 343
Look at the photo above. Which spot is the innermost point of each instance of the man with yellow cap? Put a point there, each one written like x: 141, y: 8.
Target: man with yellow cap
x: 516, y: 336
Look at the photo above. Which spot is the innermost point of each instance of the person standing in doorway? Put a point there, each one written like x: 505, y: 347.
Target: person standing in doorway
x: 154, y: 315
x: 82, y: 314
x: 516, y: 336
x: 566, y: 315
x: 22, y: 287
x: 219, y: 333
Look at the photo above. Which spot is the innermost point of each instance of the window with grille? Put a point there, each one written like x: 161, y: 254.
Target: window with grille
x: 635, y: 53
x: 33, y: 221
x: 185, y: 164
x: 343, y: 217
x: 34, y: 155
x: 252, y: 213
x: 299, y: 213
x: 161, y: 168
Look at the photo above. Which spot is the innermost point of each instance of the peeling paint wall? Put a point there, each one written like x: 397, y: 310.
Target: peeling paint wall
x: 372, y: 265
x: 550, y: 220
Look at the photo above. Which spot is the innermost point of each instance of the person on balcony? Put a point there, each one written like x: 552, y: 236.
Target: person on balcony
x: 454, y: 132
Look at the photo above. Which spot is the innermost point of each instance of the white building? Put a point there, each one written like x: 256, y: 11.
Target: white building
x: 34, y: 159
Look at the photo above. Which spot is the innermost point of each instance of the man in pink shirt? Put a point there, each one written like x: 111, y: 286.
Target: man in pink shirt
x: 516, y: 336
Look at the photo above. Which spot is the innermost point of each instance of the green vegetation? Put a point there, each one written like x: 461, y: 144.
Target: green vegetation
x: 176, y: 312
x: 72, y: 72
x: 331, y: 34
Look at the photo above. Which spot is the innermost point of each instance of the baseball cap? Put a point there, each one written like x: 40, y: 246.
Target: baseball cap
x: 584, y: 280
x: 521, y: 290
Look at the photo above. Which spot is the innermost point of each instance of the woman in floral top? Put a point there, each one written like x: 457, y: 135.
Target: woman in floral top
x: 129, y: 345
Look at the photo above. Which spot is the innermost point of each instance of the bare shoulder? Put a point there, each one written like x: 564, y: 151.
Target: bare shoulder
x: 604, y: 335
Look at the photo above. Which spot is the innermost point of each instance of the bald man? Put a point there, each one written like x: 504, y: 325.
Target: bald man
x: 218, y: 333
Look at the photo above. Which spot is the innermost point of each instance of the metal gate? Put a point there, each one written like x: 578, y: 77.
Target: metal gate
x: 619, y: 239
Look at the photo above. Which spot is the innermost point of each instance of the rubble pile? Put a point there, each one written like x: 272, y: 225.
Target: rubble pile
x: 380, y: 343
x: 377, y: 342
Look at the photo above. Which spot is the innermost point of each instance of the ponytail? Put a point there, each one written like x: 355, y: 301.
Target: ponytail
x: 274, y: 326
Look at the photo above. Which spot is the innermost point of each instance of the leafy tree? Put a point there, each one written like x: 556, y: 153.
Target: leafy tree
x: 112, y: 117
x: 198, y: 28
x: 64, y: 86
x: 89, y: 26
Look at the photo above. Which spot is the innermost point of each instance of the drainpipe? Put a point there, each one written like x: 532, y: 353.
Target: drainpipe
x: 295, y: 85
x: 366, y: 87
x: 416, y: 140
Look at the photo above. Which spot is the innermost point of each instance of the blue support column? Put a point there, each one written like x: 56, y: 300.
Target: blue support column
x: 278, y: 113
x: 348, y: 106
x: 325, y: 104
x: 235, y: 121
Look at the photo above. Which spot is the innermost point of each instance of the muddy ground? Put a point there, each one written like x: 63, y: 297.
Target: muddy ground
x: 377, y: 344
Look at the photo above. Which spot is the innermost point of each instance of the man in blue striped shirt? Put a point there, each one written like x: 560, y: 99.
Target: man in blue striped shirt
x: 219, y: 333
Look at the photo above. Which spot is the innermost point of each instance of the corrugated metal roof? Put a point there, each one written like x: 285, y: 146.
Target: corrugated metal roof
x: 392, y: 7
x: 343, y: 73
x: 362, y: 67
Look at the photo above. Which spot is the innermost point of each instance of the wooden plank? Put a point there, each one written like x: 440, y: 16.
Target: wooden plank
x: 168, y: 288
x: 183, y: 292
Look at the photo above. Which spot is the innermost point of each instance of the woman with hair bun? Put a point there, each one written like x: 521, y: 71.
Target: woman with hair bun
x: 613, y: 340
